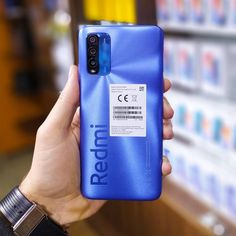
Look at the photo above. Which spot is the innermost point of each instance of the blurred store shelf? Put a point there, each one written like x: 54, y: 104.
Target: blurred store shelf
x: 15, y: 13
x: 199, y: 123
x: 199, y: 31
x: 199, y: 199
x: 162, y: 217
x: 189, y: 207
x: 27, y: 91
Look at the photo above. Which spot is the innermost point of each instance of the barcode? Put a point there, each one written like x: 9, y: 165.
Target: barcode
x: 127, y: 117
x: 126, y: 107
x: 127, y: 112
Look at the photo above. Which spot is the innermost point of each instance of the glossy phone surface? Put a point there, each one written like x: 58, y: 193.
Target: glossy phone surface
x: 121, y: 89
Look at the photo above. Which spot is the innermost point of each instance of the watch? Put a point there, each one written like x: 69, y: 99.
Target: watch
x: 27, y: 218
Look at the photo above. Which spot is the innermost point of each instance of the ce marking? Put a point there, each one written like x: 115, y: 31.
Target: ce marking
x: 122, y: 98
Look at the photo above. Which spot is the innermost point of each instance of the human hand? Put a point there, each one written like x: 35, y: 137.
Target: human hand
x: 54, y: 177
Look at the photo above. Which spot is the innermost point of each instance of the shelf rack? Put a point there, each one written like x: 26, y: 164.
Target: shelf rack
x: 223, y: 32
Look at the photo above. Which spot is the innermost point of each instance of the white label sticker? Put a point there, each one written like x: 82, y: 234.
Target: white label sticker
x: 128, y: 110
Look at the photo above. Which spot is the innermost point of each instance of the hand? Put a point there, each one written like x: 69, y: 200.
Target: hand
x: 54, y: 177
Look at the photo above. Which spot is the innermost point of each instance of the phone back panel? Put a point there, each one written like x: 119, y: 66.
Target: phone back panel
x: 121, y: 148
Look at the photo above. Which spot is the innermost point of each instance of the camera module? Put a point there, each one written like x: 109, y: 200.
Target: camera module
x: 93, y: 53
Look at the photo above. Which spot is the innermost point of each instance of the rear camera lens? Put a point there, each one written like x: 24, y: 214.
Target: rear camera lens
x: 93, y: 63
x: 93, y: 39
x: 92, y: 51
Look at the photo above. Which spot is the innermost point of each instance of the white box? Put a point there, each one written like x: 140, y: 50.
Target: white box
x: 213, y: 68
x: 186, y: 64
x: 218, y: 11
x: 163, y: 11
x: 232, y: 14
x: 198, y: 11
x: 169, y: 58
x: 180, y: 11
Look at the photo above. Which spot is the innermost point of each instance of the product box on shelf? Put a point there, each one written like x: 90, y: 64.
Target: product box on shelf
x: 208, y: 179
x: 198, y: 11
x: 231, y: 71
x: 212, y: 186
x: 169, y: 58
x: 232, y: 14
x: 197, y: 120
x: 190, y: 171
x: 229, y: 199
x: 215, y: 16
x: 181, y: 10
x: 218, y: 11
x: 213, y: 72
x: 228, y: 125
x: 211, y: 124
x: 163, y: 10
x: 186, y: 59
x: 204, y: 65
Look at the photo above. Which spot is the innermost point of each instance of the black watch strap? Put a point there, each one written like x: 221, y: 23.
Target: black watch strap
x: 26, y: 217
x: 48, y: 227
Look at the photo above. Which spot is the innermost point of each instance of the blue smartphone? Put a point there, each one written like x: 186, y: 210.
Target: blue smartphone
x: 121, y: 95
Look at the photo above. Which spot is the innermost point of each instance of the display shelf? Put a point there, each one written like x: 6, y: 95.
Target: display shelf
x: 204, y: 138
x: 207, y: 146
x: 201, y: 97
x: 177, y: 212
x: 194, y: 210
x: 199, y: 31
x: 198, y: 172
x: 24, y: 107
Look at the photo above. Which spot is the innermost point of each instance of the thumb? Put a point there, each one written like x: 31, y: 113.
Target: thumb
x: 63, y: 111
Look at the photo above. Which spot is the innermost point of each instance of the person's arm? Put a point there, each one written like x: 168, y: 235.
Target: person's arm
x: 26, y: 217
x: 53, y: 181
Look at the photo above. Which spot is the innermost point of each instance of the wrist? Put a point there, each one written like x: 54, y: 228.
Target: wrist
x: 59, y: 209
x: 54, y: 211
x: 25, y: 217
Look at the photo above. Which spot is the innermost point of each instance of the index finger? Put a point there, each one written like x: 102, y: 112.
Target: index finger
x: 167, y: 85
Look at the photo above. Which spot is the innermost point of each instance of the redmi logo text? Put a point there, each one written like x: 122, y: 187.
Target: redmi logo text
x: 100, y: 153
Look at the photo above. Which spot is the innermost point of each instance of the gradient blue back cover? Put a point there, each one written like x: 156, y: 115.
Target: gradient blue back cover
x: 133, y: 163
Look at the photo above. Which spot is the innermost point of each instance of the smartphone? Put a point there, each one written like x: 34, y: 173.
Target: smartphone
x: 121, y: 95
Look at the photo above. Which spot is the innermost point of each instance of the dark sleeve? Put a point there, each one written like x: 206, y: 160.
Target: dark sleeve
x: 5, y: 229
x: 46, y: 227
